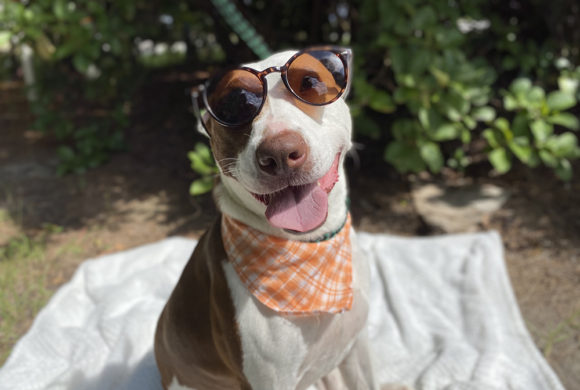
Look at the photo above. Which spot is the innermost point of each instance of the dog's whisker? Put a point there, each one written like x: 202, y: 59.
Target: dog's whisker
x: 230, y: 169
x: 228, y: 165
x: 354, y: 155
x: 228, y: 161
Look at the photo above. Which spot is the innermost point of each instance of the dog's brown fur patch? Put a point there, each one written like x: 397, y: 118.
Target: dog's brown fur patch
x: 227, y: 143
x: 197, y: 339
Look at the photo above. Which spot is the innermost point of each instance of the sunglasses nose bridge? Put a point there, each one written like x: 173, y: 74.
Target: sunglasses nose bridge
x: 262, y: 76
x: 273, y: 69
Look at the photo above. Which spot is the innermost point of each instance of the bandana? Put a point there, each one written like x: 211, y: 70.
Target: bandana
x: 292, y: 277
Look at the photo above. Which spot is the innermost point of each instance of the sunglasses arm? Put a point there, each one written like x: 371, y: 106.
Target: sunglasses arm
x: 195, y: 96
x: 347, y: 55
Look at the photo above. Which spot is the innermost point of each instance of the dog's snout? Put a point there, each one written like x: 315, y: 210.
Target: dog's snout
x: 282, y: 153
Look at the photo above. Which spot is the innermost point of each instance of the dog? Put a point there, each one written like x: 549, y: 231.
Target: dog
x: 294, y: 318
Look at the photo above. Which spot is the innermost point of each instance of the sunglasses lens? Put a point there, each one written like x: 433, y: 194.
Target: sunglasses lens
x: 235, y: 97
x: 317, y: 77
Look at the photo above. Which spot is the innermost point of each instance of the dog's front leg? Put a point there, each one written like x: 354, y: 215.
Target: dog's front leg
x: 357, y: 368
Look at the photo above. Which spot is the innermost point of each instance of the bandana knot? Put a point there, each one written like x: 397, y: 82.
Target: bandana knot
x: 292, y: 277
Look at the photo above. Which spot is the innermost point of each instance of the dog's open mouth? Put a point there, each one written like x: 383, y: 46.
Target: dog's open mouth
x: 301, y: 208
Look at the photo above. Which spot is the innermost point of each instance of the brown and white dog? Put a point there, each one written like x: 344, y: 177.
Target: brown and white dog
x: 213, y: 333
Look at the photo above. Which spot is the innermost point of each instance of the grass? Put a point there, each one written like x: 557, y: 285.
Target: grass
x: 563, y: 331
x: 23, y: 291
x: 32, y: 265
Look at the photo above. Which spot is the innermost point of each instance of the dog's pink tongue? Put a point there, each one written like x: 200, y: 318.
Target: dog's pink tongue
x: 301, y: 209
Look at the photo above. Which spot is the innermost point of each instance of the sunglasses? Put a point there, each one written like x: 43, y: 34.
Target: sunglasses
x: 316, y: 76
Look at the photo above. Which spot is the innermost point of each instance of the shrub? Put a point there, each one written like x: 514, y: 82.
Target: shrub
x: 437, y: 83
x: 426, y: 68
x: 88, y: 64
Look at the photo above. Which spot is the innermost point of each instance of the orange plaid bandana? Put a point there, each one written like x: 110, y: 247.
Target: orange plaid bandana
x: 292, y: 277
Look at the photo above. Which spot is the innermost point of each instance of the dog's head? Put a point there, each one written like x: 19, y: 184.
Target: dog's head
x: 286, y: 163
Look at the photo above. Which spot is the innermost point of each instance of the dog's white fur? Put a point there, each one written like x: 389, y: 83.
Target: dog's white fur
x: 289, y: 353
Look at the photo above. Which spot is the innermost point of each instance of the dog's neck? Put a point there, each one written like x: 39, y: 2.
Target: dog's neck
x: 233, y: 200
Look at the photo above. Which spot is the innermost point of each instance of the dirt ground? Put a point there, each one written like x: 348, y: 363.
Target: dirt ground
x: 141, y: 196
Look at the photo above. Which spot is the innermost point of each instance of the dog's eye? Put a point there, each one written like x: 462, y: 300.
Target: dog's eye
x: 237, y: 105
x: 312, y: 84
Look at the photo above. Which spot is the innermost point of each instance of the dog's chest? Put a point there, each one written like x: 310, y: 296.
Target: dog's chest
x: 293, y: 352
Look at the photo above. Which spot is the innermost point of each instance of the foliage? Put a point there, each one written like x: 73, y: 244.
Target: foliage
x: 530, y: 136
x: 443, y: 92
x: 5, y: 60
x: 88, y: 64
x: 24, y: 265
x: 436, y: 84
x: 203, y: 163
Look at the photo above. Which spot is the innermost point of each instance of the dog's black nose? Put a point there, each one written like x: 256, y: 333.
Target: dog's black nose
x: 282, y: 153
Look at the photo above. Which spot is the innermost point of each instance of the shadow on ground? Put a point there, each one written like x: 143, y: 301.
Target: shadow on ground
x: 148, y: 184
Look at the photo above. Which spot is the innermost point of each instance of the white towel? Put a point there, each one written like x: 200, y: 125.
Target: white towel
x: 443, y: 316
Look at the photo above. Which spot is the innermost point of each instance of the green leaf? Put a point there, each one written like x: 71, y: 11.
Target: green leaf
x: 458, y: 160
x: 420, y: 61
x: 402, y: 26
x: 560, y: 100
x: 201, y: 160
x: 362, y: 87
x: 492, y: 137
x: 548, y: 158
x: 465, y: 134
x: 441, y: 76
x: 500, y: 159
x: 565, y: 119
x: 44, y: 46
x: 66, y: 153
x: 204, y: 152
x: 398, y: 57
x: 484, y: 114
x: 429, y: 118
x: 563, y: 145
x: 59, y: 7
x: 469, y: 122
x: 366, y: 126
x: 445, y: 132
x: 201, y: 186
x: 425, y: 17
x: 404, y: 157
x: 377, y: 99
x: 382, y: 102
x: 406, y: 79
x: 520, y: 125
x: 521, y: 86
x: 510, y: 103
x: 503, y: 125
x: 81, y: 63
x: 5, y: 40
x: 564, y: 170
x: 448, y: 37
x: 541, y: 130
x: 521, y: 148
x: 451, y: 108
x: 431, y: 154
x: 568, y: 84
x: 405, y: 129
x: 423, y: 116
x: 536, y: 96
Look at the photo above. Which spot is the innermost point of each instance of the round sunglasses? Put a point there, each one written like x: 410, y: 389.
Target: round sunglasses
x: 316, y: 76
